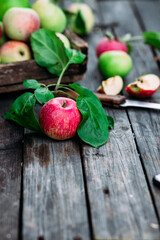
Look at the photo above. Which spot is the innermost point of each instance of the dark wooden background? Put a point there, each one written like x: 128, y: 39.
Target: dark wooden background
x: 67, y: 190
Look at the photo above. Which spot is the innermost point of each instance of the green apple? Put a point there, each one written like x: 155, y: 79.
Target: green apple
x: 14, y: 51
x: 7, y: 4
x: 51, y: 16
x: 64, y: 39
x: 115, y: 63
x: 3, y: 37
x: 84, y: 20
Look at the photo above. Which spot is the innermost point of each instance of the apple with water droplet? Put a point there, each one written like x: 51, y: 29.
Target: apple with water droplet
x: 59, y: 118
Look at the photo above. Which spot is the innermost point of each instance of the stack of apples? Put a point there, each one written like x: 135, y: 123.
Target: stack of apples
x: 18, y: 21
x: 114, y: 64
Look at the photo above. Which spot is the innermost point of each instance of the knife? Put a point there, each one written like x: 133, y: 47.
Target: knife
x: 122, y: 101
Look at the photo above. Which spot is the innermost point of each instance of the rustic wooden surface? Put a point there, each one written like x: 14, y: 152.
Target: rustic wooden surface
x: 69, y: 190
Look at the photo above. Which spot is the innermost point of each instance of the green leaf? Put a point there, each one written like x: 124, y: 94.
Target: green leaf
x: 49, y: 51
x: 21, y: 112
x: 43, y: 95
x: 70, y: 16
x: 130, y: 48
x: 31, y: 83
x: 94, y: 128
x: 74, y: 56
x: 110, y: 122
x: 79, y: 23
x: 152, y: 38
x: 6, y: 116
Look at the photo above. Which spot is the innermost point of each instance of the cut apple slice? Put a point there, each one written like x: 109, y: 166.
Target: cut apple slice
x: 113, y: 85
x: 144, y: 86
x: 100, y: 89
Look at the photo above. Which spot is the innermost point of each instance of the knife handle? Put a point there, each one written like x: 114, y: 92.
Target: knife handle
x: 110, y: 100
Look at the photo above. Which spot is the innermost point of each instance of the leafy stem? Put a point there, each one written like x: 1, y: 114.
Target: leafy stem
x: 49, y: 52
x: 61, y: 75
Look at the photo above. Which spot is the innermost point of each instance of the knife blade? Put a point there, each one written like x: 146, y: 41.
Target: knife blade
x: 122, y: 101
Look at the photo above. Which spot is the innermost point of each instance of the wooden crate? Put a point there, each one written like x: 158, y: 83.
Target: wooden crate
x: 12, y: 75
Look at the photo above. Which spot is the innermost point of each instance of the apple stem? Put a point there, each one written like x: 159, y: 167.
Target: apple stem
x: 64, y: 104
x: 114, y: 34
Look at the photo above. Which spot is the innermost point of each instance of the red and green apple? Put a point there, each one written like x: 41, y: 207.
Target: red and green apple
x: 19, y: 23
x: 144, y: 86
x: 14, y: 51
x: 59, y: 118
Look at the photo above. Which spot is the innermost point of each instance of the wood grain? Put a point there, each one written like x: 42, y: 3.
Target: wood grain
x: 10, y: 182
x: 120, y: 202
x: 54, y: 204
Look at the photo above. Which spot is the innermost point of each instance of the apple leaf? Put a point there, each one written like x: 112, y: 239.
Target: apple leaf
x: 43, y: 95
x: 94, y: 127
x: 49, y: 51
x: 80, y: 23
x: 110, y: 122
x: 31, y: 83
x: 74, y: 56
x: 21, y: 112
x: 152, y: 38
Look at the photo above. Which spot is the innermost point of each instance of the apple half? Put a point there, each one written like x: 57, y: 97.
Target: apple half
x: 111, y: 86
x: 144, y: 86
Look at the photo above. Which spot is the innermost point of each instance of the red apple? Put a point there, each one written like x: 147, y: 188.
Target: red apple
x: 59, y: 118
x: 19, y: 23
x: 144, y: 86
x: 106, y: 44
x: 14, y: 51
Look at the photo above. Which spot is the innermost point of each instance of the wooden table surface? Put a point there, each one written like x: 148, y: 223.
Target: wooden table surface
x: 51, y: 190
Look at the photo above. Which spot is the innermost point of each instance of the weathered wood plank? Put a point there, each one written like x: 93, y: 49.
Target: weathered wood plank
x: 54, y: 204
x: 121, y: 206
x: 10, y: 184
x: 146, y: 123
x: 19, y: 86
x: 120, y: 202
